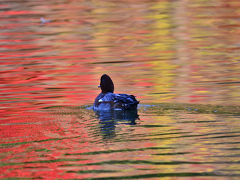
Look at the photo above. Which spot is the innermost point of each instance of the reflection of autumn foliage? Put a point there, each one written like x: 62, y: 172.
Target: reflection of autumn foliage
x: 41, y: 141
x: 207, y: 56
x: 160, y: 51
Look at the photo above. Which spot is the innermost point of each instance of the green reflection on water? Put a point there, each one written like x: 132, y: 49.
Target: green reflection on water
x: 162, y: 108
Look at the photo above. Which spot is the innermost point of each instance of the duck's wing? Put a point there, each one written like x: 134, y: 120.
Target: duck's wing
x: 127, y: 101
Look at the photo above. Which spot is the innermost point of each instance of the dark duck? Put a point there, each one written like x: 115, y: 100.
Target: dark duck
x: 108, y: 100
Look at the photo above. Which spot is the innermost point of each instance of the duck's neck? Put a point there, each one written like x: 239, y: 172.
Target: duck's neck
x: 103, y: 92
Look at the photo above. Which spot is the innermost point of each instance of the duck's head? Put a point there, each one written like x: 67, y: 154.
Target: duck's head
x: 106, y: 84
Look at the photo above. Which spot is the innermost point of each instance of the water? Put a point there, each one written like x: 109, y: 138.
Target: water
x: 180, y: 58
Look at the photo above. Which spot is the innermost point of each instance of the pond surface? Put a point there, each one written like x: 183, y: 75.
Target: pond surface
x: 180, y: 58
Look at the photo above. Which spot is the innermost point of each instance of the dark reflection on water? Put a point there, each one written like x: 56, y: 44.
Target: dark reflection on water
x: 183, y: 54
x: 109, y: 119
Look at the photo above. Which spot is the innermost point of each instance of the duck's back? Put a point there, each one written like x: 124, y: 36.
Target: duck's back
x: 126, y: 101
x: 107, y: 101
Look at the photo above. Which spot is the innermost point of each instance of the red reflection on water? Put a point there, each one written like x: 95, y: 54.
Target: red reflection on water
x: 35, y: 140
x: 16, y: 13
x: 32, y: 142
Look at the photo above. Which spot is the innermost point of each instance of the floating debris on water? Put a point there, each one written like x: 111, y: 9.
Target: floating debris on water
x: 44, y: 21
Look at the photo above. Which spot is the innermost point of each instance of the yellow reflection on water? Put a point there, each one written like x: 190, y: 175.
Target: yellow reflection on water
x: 162, y: 48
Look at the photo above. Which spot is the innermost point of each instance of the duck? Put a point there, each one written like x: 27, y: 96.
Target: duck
x: 108, y: 100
